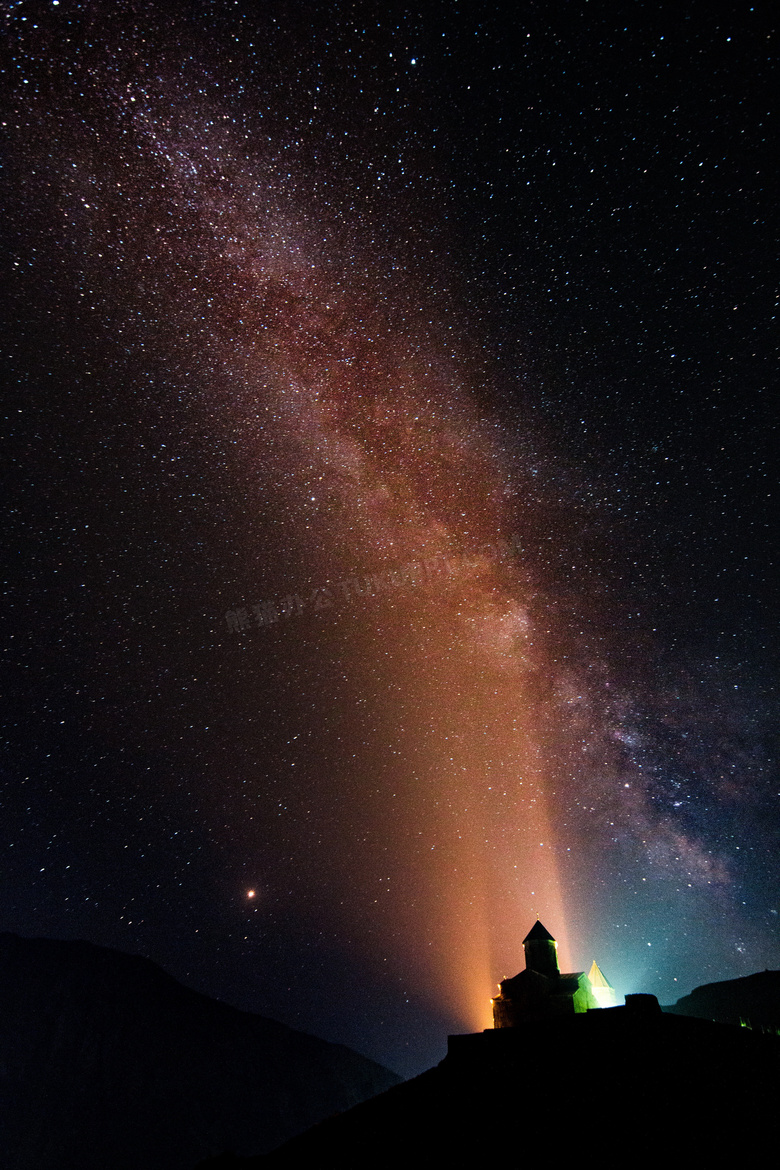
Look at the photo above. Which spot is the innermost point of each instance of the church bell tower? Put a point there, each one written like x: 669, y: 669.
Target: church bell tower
x: 541, y: 951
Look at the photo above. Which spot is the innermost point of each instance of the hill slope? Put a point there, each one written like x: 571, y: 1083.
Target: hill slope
x: 106, y: 1061
x: 754, y: 999
x: 614, y: 1086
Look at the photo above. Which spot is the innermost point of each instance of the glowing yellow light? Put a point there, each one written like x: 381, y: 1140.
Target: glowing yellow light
x: 251, y: 893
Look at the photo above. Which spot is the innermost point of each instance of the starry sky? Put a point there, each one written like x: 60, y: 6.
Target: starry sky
x: 388, y: 415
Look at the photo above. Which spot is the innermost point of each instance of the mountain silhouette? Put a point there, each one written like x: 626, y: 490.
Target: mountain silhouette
x: 753, y: 1001
x: 108, y: 1063
x: 618, y: 1085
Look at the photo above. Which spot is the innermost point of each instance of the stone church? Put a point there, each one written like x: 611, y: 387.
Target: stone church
x: 543, y: 991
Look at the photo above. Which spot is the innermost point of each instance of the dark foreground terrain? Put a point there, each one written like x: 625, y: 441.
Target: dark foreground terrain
x: 619, y: 1086
x: 107, y: 1063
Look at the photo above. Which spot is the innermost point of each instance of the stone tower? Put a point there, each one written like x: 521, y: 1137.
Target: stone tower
x: 541, y: 951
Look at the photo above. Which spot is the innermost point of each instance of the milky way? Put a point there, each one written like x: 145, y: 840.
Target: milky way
x: 352, y: 655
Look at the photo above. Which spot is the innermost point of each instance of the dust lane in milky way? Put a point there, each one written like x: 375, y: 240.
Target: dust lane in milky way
x: 358, y: 403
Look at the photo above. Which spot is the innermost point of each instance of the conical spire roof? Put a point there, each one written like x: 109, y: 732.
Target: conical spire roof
x: 597, y: 977
x: 537, y: 932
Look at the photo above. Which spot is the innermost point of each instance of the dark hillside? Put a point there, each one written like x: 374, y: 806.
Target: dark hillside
x: 107, y: 1062
x: 612, y: 1086
x: 753, y: 1001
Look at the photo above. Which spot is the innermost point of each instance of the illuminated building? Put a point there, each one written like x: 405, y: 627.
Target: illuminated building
x: 543, y: 991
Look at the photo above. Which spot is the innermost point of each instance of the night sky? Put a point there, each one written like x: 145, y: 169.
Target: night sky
x: 390, y: 404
